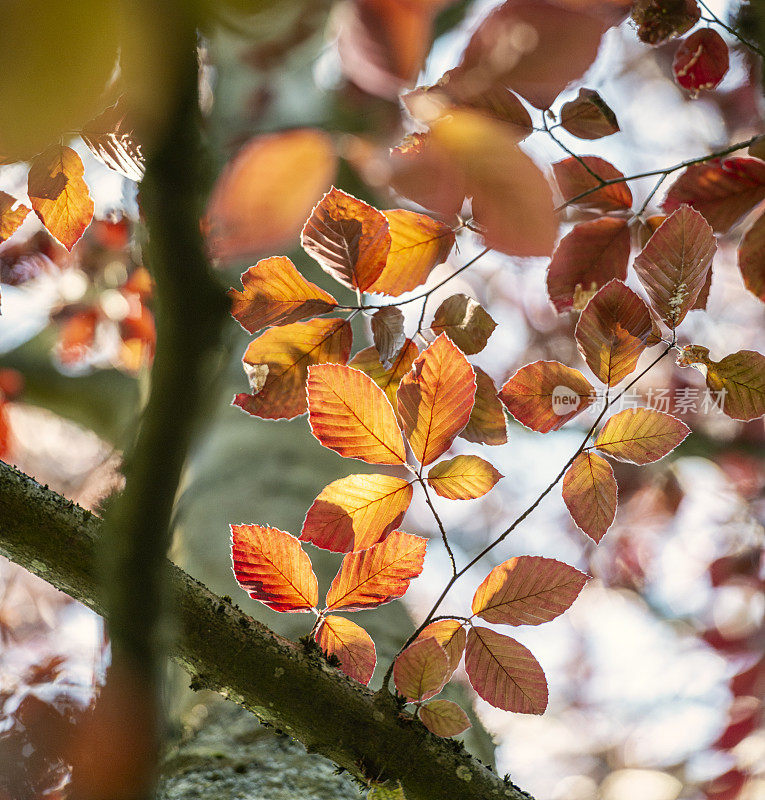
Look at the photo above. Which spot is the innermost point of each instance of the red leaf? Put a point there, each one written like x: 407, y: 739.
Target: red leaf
x: 751, y: 258
x: 463, y: 478
x: 574, y: 179
x: 388, y: 333
x: 421, y: 670
x: 701, y: 61
x: 275, y: 293
x: 388, y: 379
x: 588, y: 117
x: 351, y: 415
x: 352, y: 645
x: 465, y: 322
x: 435, y: 399
x: 272, y: 567
x: 5, y: 432
x: 527, y: 590
x: 587, y: 258
x: 504, y: 672
x: 641, y: 435
x: 382, y: 573
x: 444, y: 718
x: 10, y: 217
x: 612, y: 332
x: 545, y: 395
x: 356, y: 512
x: 487, y: 419
x: 590, y: 494
x: 451, y: 635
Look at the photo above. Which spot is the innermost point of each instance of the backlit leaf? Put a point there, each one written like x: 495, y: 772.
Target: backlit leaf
x: 659, y: 20
x: 421, y: 670
x: 272, y: 567
x: 487, y: 423
x: 673, y: 265
x: 588, y: 117
x: 451, y: 635
x: 444, y: 718
x: 275, y: 293
x: 591, y: 255
x: 353, y: 646
x: 751, y: 258
x: 262, y: 198
x: 388, y: 333
x: 574, y: 179
x: 465, y: 322
x: 527, y: 590
x: 10, y: 217
x: 590, y: 494
x: 463, y: 478
x: 351, y: 415
x: 722, y: 190
x: 612, y: 332
x: 388, y: 379
x: 701, y: 61
x: 545, y: 395
x: 287, y: 352
x: 356, y: 512
x: 112, y: 140
x: 418, y: 243
x: 348, y: 238
x: 369, y: 578
x: 641, y: 435
x: 59, y: 195
x: 504, y: 672
x: 435, y: 399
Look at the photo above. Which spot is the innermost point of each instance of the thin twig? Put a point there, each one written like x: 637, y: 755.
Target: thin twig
x: 732, y: 31
x: 440, y: 524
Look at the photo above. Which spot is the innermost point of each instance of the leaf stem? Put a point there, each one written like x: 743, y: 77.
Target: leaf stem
x: 440, y: 524
x: 732, y: 31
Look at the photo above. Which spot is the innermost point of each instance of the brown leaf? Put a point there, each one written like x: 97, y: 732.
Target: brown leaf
x: 388, y: 333
x: 659, y: 20
x: 487, y: 419
x: 444, y: 718
x: 583, y: 176
x: 590, y: 494
x: 751, y: 258
x: 465, y: 322
x: 588, y: 117
x: 641, y: 435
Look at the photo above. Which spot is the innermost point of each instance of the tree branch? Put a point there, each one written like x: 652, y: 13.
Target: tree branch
x: 285, y: 684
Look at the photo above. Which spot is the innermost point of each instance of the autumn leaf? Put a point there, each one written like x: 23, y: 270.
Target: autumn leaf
x: 348, y: 238
x: 545, y: 395
x: 435, y: 399
x: 451, y: 635
x: 673, y: 265
x: 275, y: 293
x: 463, y: 478
x: 504, y: 672
x: 10, y: 217
x: 587, y: 258
x: 701, y: 61
x: 527, y: 590
x: 641, y: 435
x: 751, y: 258
x: 444, y: 718
x: 356, y: 512
x: 377, y: 575
x: 388, y: 379
x: 112, y: 140
x: 588, y: 117
x: 351, y: 644
x: 659, y: 21
x: 465, y: 322
x: 721, y: 190
x: 388, y: 333
x: 421, y: 670
x: 263, y: 196
x: 351, y: 415
x: 487, y: 419
x: 418, y: 244
x: 272, y: 567
x: 590, y: 494
x: 59, y: 195
x: 285, y: 353
x: 575, y: 177
x: 612, y: 332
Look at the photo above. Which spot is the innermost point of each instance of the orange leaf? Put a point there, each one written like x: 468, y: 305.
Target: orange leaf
x: 250, y: 210
x: 369, y: 362
x: 421, y: 670
x: 574, y: 178
x: 487, y: 419
x: 351, y: 415
x: 59, y: 194
x: 589, y: 492
x: 465, y: 322
x: 504, y: 672
x: 356, y: 512
x: 275, y: 293
x: 10, y: 218
x: 348, y: 238
x: 369, y: 578
x: 463, y: 478
x: 272, y: 566
x: 587, y: 258
x: 450, y: 634
x: 388, y: 333
x: 352, y: 645
x: 545, y: 395
x: 751, y: 258
x: 641, y: 435
x: 588, y: 117
x: 612, y: 332
x: 673, y: 265
x: 444, y: 718
x: 418, y: 243
x: 435, y: 399
x: 527, y: 590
